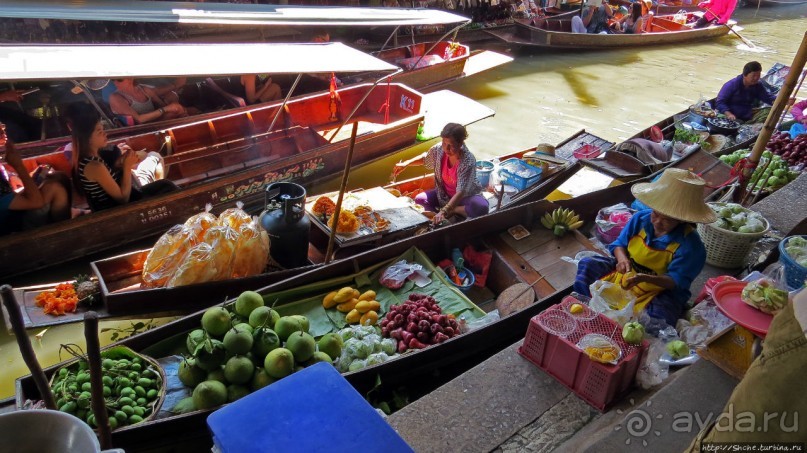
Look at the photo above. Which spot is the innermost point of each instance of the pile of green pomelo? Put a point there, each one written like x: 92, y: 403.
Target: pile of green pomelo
x: 236, y: 353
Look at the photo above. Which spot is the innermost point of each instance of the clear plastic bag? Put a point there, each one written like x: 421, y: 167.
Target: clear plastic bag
x: 489, y: 318
x: 201, y: 222
x: 235, y: 218
x: 652, y: 371
x: 612, y: 301
x: 611, y: 220
x: 395, y: 276
x: 194, y: 268
x: 166, y: 256
x: 251, y: 254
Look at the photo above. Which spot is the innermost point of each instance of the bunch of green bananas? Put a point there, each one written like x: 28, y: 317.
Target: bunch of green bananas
x: 561, y: 220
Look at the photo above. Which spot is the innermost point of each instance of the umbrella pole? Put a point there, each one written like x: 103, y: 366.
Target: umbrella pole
x: 776, y: 111
x: 345, y: 175
x: 96, y: 383
x: 27, y: 351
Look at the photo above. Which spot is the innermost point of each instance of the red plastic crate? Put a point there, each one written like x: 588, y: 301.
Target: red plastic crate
x: 598, y: 384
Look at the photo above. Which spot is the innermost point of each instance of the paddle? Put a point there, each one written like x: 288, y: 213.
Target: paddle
x: 731, y: 29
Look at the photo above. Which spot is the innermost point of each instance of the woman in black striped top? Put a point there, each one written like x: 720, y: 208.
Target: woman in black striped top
x: 106, y: 185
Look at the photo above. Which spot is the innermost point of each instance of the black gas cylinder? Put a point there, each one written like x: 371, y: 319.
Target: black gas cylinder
x: 287, y: 223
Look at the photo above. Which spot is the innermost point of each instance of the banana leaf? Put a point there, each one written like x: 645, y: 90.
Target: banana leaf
x: 307, y: 300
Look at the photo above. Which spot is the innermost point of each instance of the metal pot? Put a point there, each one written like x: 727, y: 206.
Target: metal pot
x: 48, y: 430
x: 722, y: 126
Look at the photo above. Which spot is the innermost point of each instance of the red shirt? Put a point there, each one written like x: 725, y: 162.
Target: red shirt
x: 449, y: 176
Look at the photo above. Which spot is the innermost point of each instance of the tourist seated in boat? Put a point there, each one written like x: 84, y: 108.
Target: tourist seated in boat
x: 145, y: 104
x: 20, y: 127
x: 634, y: 22
x: 457, y: 190
x: 739, y: 98
x: 716, y: 12
x: 529, y: 9
x: 257, y: 89
x: 594, y: 18
x: 659, y: 252
x: 134, y: 175
x: 34, y: 204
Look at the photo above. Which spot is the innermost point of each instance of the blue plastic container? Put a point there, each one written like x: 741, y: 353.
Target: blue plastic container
x: 312, y: 410
x: 463, y: 274
x: 483, y: 171
x: 795, y: 274
x: 511, y: 178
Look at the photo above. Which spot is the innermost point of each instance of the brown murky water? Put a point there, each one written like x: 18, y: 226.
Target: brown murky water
x: 545, y: 97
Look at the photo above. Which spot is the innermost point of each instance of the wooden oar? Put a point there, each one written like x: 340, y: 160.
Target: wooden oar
x: 731, y: 29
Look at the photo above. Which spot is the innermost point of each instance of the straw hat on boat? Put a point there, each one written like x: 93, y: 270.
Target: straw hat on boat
x: 545, y: 148
x: 678, y: 194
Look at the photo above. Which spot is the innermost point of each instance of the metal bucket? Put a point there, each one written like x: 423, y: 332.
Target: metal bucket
x: 48, y: 431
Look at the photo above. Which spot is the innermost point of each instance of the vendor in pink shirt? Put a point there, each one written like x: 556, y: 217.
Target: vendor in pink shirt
x: 716, y: 12
x: 456, y: 188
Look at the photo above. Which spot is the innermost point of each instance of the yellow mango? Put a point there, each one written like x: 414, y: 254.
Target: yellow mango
x: 369, y: 318
x: 375, y: 306
x: 328, y: 301
x: 356, y: 293
x: 368, y: 295
x: 347, y: 306
x: 363, y: 306
x: 353, y: 317
x: 343, y: 295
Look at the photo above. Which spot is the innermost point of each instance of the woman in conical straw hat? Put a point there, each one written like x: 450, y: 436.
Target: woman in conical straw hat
x: 659, y: 253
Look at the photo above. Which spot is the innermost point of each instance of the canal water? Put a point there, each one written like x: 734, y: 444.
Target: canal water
x: 541, y: 97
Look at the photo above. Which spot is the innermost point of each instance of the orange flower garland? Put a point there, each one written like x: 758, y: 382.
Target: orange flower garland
x: 59, y: 301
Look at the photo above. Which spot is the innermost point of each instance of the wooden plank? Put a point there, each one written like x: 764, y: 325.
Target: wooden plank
x: 520, y: 267
x: 538, y: 237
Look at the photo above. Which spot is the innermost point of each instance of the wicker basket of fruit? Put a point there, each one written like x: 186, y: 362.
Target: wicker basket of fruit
x: 730, y: 239
x: 134, y: 387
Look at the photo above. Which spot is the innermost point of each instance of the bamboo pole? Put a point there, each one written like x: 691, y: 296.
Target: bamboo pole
x: 96, y: 384
x: 26, y: 350
x: 345, y: 175
x: 776, y: 111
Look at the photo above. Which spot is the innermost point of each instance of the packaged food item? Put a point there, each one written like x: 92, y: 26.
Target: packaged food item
x: 195, y: 268
x: 251, y: 253
x: 223, y: 240
x: 600, y: 348
x: 167, y: 254
x: 235, y: 217
x: 201, y: 222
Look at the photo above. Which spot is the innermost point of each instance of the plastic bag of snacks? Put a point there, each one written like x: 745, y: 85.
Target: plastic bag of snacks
x: 195, y: 267
x: 235, y: 217
x: 223, y: 240
x: 201, y: 222
x: 251, y: 251
x: 167, y: 254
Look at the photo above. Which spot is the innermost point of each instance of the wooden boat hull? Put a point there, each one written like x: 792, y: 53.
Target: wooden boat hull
x: 246, y: 162
x: 556, y: 34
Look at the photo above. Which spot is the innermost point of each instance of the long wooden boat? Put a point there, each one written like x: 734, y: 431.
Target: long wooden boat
x: 228, y: 158
x: 430, y: 65
x: 534, y: 261
x: 120, y: 276
x: 433, y: 72
x: 557, y: 34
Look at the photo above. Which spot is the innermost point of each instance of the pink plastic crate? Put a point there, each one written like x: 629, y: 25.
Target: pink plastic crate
x: 598, y: 384
x: 587, y: 151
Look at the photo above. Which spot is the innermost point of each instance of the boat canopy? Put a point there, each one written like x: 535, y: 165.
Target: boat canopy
x: 80, y: 62
x: 224, y: 13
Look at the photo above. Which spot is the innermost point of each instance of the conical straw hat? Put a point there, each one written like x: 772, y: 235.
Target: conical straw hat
x: 677, y: 194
